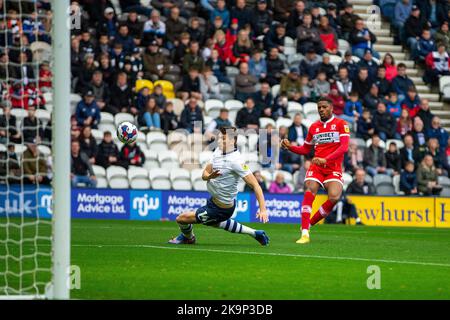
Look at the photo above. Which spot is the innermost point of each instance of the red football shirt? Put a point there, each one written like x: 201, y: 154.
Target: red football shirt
x: 326, y: 139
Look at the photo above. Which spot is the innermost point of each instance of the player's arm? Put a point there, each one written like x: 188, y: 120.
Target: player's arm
x: 209, y: 173
x: 251, y: 181
x: 303, y: 149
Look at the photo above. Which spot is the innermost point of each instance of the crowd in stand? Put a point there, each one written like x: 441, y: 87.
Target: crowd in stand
x: 193, y: 45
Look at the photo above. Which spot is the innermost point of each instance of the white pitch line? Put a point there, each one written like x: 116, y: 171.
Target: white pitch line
x: 267, y: 254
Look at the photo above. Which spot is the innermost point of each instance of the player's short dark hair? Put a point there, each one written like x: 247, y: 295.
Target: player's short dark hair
x: 230, y: 131
x: 325, y: 99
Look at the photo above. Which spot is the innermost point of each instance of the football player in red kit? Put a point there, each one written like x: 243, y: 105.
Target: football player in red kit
x: 330, y: 137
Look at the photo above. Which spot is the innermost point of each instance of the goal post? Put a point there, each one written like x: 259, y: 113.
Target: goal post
x: 61, y: 149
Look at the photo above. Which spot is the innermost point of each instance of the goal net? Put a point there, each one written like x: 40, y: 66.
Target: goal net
x: 29, y: 260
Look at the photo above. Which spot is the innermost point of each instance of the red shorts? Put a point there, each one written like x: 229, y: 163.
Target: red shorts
x: 323, y: 175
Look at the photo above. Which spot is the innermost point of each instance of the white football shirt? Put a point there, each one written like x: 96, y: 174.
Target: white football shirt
x: 232, y: 168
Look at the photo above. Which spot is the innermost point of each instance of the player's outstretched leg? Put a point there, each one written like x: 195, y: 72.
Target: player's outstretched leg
x: 334, y: 190
x: 235, y: 227
x: 185, y: 223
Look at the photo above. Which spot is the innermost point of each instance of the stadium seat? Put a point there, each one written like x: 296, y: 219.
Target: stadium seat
x: 20, y: 149
x: 444, y: 81
x: 189, y: 160
x: 106, y: 118
x: 212, y: 107
x: 385, y: 189
x: 396, y: 183
x: 275, y: 90
x: 335, y: 60
x: 399, y: 143
x: 178, y: 105
x: 196, y: 174
x: 43, y: 115
x: 199, y: 185
x: 99, y: 171
x: 369, y: 143
x: 44, y: 151
x: 263, y: 122
x: 19, y: 113
x: 290, y: 51
x: 159, y: 178
x: 294, y: 59
x: 382, y: 179
x: 3, y: 148
x: 242, y: 143
x: 252, y: 139
x: 141, y: 138
x: 157, y: 141
x: 287, y: 175
x: 283, y: 122
x: 309, y: 107
x: 196, y: 139
x: 168, y: 159
x: 138, y: 178
x: 143, y: 83
x: 444, y: 181
x: 347, y: 179
x: 225, y: 88
x: 368, y: 179
x: 231, y: 71
x: 119, y: 183
x: 360, y: 143
x: 294, y: 108
x: 289, y: 42
x: 167, y: 86
x: 307, y: 122
x: 116, y: 172
x: 233, y: 105
x: 343, y: 46
x: 102, y: 183
x: 181, y: 179
x: 445, y: 192
x: 122, y: 117
x: 151, y: 159
x: 103, y: 127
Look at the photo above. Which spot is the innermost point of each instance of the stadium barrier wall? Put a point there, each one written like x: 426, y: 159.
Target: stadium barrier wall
x: 166, y: 205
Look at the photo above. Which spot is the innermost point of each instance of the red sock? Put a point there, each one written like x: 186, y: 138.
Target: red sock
x: 324, y: 211
x: 308, y: 200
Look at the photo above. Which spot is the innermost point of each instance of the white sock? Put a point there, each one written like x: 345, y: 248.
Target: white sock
x: 305, y: 232
x: 358, y: 220
x: 235, y: 227
x: 186, y: 230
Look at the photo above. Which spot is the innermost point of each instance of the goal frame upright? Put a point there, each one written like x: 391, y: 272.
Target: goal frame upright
x: 60, y: 288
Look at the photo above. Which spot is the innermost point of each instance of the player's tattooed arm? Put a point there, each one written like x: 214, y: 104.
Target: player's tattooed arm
x: 209, y: 173
x: 253, y: 183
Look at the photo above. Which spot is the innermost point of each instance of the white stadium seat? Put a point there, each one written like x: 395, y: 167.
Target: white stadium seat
x: 294, y: 108
x: 106, y: 118
x: 263, y: 122
x: 369, y: 143
x: 99, y: 171
x: 44, y: 151
x: 116, y: 171
x: 283, y: 122
x: 396, y: 183
x: 119, y: 183
x: 212, y: 107
x: 168, y: 159
x: 98, y: 135
x: 181, y: 179
x: 399, y: 143
x: 102, y: 182
x: 159, y: 178
x: 233, y: 105
x: 157, y: 141
x: 122, y: 117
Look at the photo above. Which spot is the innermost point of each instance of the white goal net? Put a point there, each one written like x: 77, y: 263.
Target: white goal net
x: 26, y: 149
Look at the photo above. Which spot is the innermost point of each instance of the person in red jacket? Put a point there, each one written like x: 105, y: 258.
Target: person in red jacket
x: 338, y: 101
x: 328, y: 36
x: 330, y: 137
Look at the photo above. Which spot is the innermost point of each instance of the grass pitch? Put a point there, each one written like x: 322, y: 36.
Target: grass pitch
x: 131, y: 260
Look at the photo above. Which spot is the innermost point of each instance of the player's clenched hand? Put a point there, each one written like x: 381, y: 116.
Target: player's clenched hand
x: 214, y: 174
x: 285, y: 143
x: 262, y: 216
x: 319, y: 161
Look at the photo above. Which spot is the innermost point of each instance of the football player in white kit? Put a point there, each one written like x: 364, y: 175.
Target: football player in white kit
x: 222, y: 174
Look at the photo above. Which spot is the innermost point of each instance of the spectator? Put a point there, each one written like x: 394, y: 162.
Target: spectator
x: 427, y: 177
x: 425, y: 45
x: 257, y: 65
x: 81, y: 172
x: 131, y: 155
x: 242, y: 48
x: 88, y: 145
x: 308, y: 36
x: 175, y: 27
x: 409, y: 153
x: 404, y: 123
x: 135, y: 27
x: 101, y: 91
x: 361, y: 39
x: 241, y: 12
x: 345, y: 209
x: 436, y: 131
x: 193, y: 58
x: 328, y: 68
x: 384, y: 123
x: 374, y: 158
x: 343, y: 82
x: 384, y: 86
x: 401, y: 82
x: 125, y: 39
x: 353, y: 159
x: 408, y: 179
x: 209, y: 85
x: 87, y: 112
x: 245, y: 83
x: 194, y: 31
x: 437, y: 65
x: 328, y: 35
x: 10, y: 170
x: 359, y: 185
x: 275, y: 67
x: 425, y: 114
x: 419, y: 135
x: 352, y: 109
x: 190, y: 115
x: 31, y: 126
x: 45, y: 77
x: 338, y: 102
x: 439, y: 158
x: 297, y: 131
x: 279, y: 186
x: 365, y: 128
x: 159, y: 96
x: 169, y: 120
x: 401, y: 13
x: 263, y: 98
x: 347, y: 21
x: 362, y: 83
x: 153, y: 28
x: 291, y: 85
x: 389, y: 64
x: 183, y: 48
x: 150, y: 115
x: 295, y: 18
x: 321, y: 87
x: 372, y: 98
x: 393, y: 105
x: 220, y: 11
x: 311, y: 64
x: 411, y: 102
x: 108, y: 153
x: 222, y: 121
x: 34, y: 166
x: 368, y: 62
x: 156, y: 64
x: 275, y: 38
x: 260, y: 180
x: 442, y: 36
x: 217, y: 66
x: 248, y: 116
x: 121, y: 93
x: 191, y: 85
x: 393, y: 160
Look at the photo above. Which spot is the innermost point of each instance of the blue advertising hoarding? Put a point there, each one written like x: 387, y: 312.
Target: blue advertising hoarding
x: 26, y: 201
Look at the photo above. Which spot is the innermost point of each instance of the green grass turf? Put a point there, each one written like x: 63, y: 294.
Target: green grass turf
x: 131, y: 260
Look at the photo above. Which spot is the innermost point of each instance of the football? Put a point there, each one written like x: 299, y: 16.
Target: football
x: 127, y: 132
